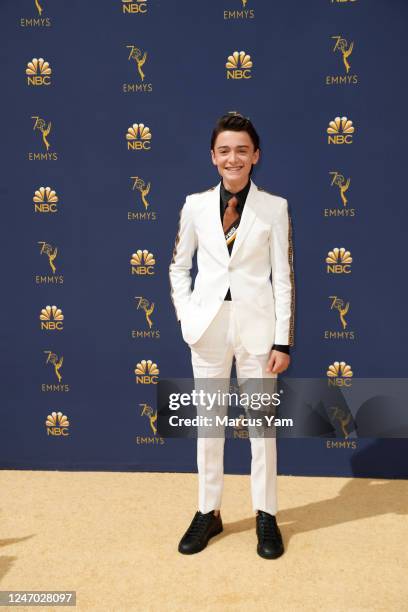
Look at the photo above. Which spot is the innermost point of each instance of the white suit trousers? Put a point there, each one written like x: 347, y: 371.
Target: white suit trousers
x: 212, y: 357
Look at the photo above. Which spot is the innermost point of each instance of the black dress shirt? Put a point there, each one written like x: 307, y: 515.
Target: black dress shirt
x: 226, y: 195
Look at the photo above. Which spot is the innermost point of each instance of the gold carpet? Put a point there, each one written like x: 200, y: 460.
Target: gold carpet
x: 112, y: 537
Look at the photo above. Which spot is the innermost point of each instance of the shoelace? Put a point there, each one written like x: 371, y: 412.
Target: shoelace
x: 199, y: 524
x: 268, y: 528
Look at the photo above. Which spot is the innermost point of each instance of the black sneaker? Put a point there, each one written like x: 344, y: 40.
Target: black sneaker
x: 202, y: 528
x: 270, y: 545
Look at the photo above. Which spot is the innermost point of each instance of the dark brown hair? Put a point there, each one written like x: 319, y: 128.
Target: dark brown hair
x: 238, y: 123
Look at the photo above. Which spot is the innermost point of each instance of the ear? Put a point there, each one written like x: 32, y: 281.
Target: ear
x: 213, y: 157
x: 255, y: 158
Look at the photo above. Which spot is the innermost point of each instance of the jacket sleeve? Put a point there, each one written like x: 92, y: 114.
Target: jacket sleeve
x: 181, y: 263
x: 281, y: 254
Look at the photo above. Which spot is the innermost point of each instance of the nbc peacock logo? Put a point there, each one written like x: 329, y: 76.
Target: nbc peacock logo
x: 45, y: 200
x: 239, y: 66
x: 134, y: 7
x: 339, y: 374
x: 57, y: 424
x: 142, y: 263
x: 38, y: 72
x: 339, y: 261
x: 147, y: 372
x: 138, y: 137
x: 340, y: 131
x: 51, y: 318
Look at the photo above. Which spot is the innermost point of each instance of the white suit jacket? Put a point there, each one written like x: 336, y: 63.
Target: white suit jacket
x: 263, y: 246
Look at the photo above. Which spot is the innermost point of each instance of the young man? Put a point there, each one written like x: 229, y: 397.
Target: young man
x: 242, y: 234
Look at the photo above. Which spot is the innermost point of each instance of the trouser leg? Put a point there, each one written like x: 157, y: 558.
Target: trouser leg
x: 211, y: 359
x: 263, y: 444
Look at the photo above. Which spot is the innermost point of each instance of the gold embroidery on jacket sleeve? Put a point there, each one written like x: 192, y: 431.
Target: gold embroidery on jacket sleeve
x: 292, y: 283
x: 177, y: 240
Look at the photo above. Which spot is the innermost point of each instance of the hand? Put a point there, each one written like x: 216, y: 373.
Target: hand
x: 278, y: 362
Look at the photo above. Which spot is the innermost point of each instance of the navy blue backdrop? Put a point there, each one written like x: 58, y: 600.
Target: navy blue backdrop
x: 80, y: 103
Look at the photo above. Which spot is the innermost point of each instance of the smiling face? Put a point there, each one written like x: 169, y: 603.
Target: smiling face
x: 234, y: 154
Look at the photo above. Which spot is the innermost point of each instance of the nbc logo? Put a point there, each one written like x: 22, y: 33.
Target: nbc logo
x: 51, y: 318
x: 45, y: 200
x: 57, y: 424
x: 134, y: 6
x: 138, y: 137
x: 239, y: 65
x: 142, y: 263
x: 338, y: 261
x: 38, y: 72
x: 340, y: 131
x: 339, y: 374
x: 146, y: 372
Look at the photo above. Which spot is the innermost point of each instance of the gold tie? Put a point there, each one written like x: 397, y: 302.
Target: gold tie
x: 230, y: 214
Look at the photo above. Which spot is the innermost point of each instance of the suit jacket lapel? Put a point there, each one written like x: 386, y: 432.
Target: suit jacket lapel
x: 216, y: 232
x: 247, y: 218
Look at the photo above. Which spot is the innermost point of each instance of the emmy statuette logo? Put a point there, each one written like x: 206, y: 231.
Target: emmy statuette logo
x: 141, y: 190
x: 343, y: 332
x: 245, y: 10
x: 43, y: 128
x: 343, y: 51
x: 56, y: 363
x: 147, y: 308
x: 40, y: 20
x: 137, y: 58
x: 150, y: 415
x: 341, y: 186
x: 50, y: 253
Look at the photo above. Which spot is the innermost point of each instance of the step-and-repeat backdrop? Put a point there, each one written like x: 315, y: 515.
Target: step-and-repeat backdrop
x: 107, y: 112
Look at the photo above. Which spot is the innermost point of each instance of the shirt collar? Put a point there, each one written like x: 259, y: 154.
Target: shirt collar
x: 241, y: 195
